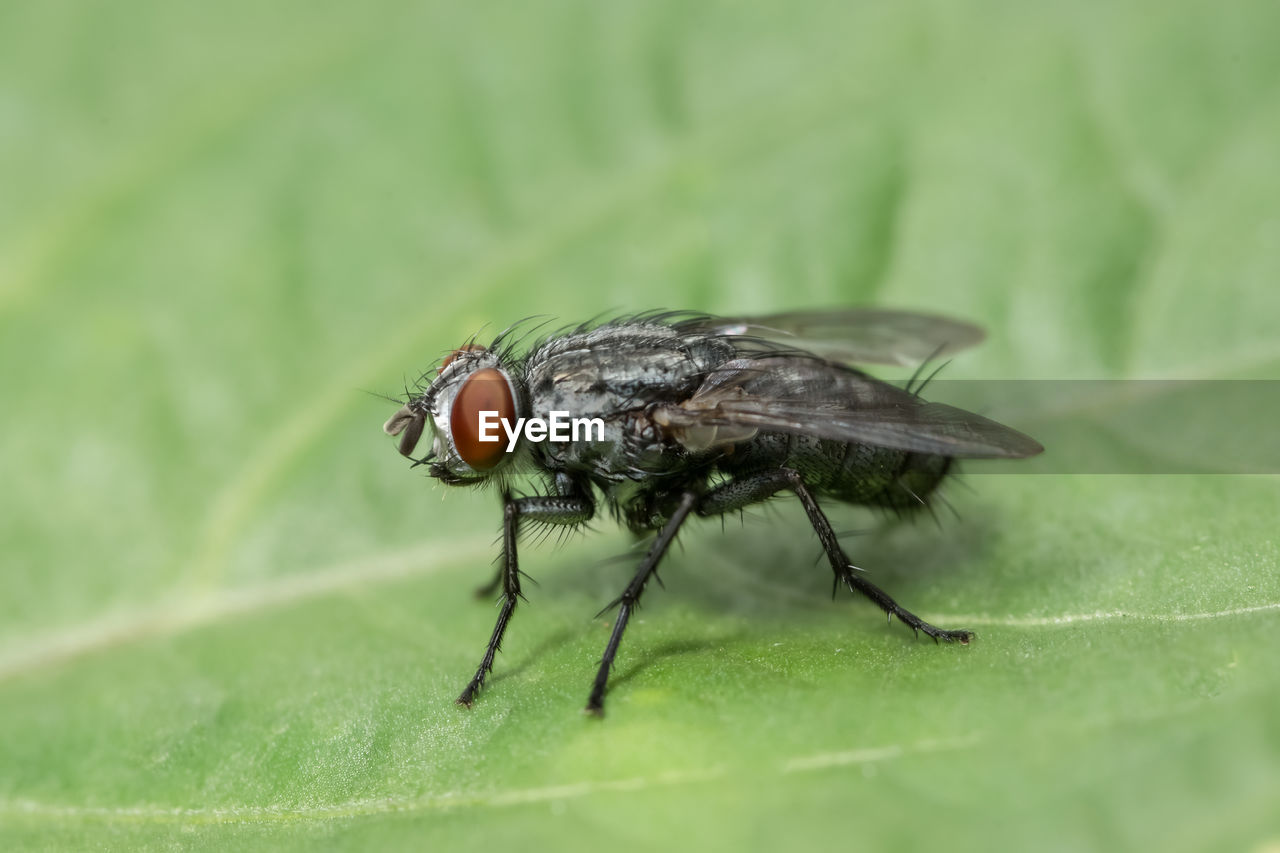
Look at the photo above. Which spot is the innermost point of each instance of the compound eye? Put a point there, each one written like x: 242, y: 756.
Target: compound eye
x: 459, y: 351
x: 485, y: 390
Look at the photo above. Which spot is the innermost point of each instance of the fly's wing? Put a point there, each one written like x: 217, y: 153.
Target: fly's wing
x: 851, y: 335
x: 808, y: 396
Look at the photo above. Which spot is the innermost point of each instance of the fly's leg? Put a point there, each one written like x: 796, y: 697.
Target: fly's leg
x: 744, y: 491
x: 491, y: 586
x: 567, y: 510
x: 630, y: 598
x: 566, y: 487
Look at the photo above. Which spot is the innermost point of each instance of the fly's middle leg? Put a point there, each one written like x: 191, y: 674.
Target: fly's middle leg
x: 744, y: 491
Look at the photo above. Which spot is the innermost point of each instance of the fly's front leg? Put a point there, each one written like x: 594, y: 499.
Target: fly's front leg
x: 565, y: 509
x: 565, y: 487
x: 745, y: 491
x: 630, y: 597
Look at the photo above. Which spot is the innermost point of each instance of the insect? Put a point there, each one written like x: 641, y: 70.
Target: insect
x: 696, y: 415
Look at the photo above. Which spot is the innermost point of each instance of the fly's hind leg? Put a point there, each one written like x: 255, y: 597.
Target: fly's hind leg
x: 753, y: 488
x: 630, y: 598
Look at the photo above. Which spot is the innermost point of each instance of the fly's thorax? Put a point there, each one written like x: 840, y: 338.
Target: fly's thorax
x: 615, y: 373
x: 626, y: 446
x: 617, y: 368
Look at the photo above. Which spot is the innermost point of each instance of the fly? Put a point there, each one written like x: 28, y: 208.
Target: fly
x: 698, y: 416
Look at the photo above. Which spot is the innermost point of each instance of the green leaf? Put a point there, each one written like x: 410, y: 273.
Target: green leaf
x: 231, y: 617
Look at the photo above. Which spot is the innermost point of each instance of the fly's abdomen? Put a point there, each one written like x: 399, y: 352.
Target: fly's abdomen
x: 917, y: 476
x: 895, y: 479
x: 851, y: 472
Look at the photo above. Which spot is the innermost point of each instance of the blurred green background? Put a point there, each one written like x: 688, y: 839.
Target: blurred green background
x: 231, y: 617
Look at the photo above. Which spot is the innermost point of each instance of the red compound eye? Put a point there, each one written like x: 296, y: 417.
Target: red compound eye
x: 485, y: 390
x: 459, y: 351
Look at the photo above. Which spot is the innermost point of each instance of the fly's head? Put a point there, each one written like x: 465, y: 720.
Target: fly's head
x: 472, y: 381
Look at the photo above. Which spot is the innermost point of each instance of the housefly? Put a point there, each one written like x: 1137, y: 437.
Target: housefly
x: 694, y: 415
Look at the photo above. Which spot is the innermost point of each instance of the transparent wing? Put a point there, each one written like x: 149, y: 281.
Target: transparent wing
x: 852, y: 335
x: 811, y: 397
